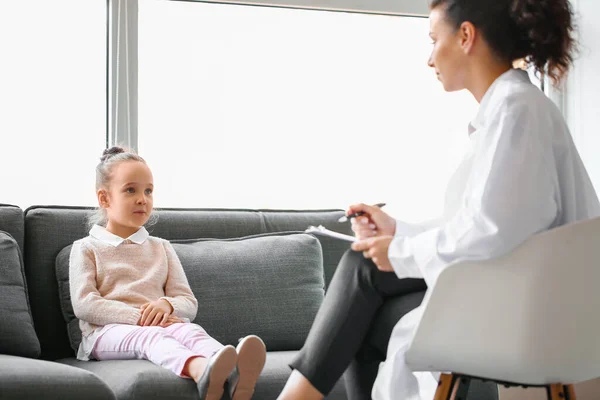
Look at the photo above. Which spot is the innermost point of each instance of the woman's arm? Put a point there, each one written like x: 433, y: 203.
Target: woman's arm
x: 511, y: 196
x: 88, y: 304
x: 413, y: 229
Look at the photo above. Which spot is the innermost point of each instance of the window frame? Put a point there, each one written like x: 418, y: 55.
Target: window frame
x: 383, y: 7
x: 122, y: 64
x: 122, y: 57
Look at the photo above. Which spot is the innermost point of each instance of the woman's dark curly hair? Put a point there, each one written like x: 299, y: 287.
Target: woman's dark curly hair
x: 539, y: 31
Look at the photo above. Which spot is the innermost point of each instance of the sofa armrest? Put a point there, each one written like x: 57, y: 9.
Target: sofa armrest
x: 26, y: 378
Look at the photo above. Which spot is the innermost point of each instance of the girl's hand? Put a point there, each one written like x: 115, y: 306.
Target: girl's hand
x: 171, y: 320
x: 155, y: 312
x: 375, y: 222
x: 376, y: 248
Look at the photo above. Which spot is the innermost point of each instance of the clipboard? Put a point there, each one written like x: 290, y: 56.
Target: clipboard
x: 321, y: 230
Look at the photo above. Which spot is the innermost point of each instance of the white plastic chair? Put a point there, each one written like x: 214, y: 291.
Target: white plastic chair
x: 529, y: 318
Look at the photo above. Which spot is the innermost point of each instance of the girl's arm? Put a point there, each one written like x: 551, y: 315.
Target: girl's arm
x: 177, y: 288
x: 88, y: 304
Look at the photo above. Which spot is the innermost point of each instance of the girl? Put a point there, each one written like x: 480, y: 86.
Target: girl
x: 133, y: 299
x: 521, y: 175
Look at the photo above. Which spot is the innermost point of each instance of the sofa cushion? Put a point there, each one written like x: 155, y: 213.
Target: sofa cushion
x: 270, y: 285
x: 17, y: 335
x: 24, y: 378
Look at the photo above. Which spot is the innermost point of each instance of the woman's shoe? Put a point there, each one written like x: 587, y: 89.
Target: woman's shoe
x: 251, y: 357
x: 211, y: 384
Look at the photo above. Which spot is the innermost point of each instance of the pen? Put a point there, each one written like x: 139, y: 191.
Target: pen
x: 357, y: 214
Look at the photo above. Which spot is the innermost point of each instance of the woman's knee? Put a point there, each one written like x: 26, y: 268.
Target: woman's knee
x: 354, y: 264
x: 354, y: 259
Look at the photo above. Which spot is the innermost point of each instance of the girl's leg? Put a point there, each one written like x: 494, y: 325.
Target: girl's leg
x: 153, y: 343
x: 195, y: 338
x: 250, y: 362
x: 357, y: 291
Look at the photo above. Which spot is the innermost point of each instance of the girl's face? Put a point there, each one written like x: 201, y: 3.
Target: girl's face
x: 128, y: 199
x: 447, y: 56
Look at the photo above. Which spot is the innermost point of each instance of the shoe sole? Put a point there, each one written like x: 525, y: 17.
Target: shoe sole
x: 252, y: 355
x: 221, y: 368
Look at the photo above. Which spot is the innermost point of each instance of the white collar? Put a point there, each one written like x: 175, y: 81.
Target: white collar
x: 512, y: 75
x: 100, y: 233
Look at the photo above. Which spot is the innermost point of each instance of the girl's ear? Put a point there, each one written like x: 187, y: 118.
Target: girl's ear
x: 102, y: 198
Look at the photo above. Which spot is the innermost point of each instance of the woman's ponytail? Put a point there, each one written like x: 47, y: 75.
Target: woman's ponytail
x: 545, y: 29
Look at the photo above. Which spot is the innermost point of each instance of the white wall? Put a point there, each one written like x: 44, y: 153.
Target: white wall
x: 582, y: 102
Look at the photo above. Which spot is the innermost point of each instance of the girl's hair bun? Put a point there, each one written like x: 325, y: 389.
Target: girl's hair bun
x: 108, y: 153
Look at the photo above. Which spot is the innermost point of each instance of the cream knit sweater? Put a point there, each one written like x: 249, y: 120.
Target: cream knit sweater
x: 108, y: 284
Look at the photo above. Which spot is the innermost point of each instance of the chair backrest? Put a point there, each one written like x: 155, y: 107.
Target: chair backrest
x: 529, y: 316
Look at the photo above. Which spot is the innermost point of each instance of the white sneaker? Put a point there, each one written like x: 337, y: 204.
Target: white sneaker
x: 251, y: 357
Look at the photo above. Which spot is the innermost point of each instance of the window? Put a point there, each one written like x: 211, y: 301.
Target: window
x: 53, y: 100
x: 260, y: 107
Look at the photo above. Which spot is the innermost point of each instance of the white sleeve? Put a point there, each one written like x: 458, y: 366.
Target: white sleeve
x: 413, y: 229
x: 510, y: 196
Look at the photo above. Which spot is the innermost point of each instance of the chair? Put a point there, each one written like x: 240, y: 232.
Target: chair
x: 530, y: 318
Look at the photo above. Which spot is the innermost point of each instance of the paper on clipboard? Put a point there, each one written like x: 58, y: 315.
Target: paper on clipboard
x: 321, y: 230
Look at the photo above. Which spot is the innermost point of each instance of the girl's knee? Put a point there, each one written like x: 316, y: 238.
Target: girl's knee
x: 155, y: 330
x: 155, y: 334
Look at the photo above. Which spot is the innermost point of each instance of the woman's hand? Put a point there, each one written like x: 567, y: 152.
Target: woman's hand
x: 155, y: 313
x: 375, y: 222
x: 376, y: 248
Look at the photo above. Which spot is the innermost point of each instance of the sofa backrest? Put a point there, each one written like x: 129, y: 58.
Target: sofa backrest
x: 48, y: 229
x: 11, y: 221
x: 17, y: 333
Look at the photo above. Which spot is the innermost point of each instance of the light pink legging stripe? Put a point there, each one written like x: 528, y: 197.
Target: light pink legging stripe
x: 168, y: 347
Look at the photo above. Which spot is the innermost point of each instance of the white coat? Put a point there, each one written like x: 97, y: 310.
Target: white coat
x: 521, y: 175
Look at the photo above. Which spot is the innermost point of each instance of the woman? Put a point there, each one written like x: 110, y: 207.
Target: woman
x: 521, y: 175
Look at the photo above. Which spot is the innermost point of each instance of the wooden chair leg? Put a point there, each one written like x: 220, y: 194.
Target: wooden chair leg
x: 444, y: 386
x: 570, y: 392
x: 555, y: 392
x: 560, y: 392
x: 460, y: 389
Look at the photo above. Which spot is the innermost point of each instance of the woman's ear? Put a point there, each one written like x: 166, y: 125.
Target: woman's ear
x: 102, y: 198
x: 467, y: 34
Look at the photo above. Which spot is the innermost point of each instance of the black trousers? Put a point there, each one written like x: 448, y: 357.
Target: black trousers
x: 353, y: 326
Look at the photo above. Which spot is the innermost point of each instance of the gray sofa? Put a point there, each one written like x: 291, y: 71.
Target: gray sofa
x: 252, y: 271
